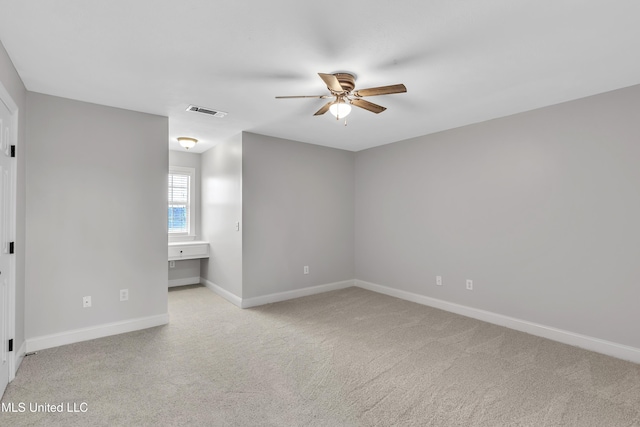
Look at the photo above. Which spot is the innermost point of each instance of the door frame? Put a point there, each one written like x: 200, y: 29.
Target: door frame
x: 7, y: 100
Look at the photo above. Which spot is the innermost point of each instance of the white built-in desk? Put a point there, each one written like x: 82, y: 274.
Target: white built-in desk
x: 188, y: 250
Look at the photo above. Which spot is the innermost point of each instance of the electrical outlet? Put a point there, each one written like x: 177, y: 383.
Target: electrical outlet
x: 172, y: 264
x: 86, y: 302
x: 124, y: 294
x: 306, y: 269
x: 237, y: 225
x: 469, y: 284
x: 439, y: 280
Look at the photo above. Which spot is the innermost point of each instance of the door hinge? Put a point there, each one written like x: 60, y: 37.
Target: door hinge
x: 13, y: 151
x: 11, y: 344
x: 10, y: 247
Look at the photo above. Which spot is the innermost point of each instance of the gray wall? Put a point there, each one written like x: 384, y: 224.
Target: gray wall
x: 540, y: 209
x: 96, y: 214
x: 221, y: 200
x: 13, y: 84
x: 188, y: 268
x: 184, y: 270
x: 297, y: 211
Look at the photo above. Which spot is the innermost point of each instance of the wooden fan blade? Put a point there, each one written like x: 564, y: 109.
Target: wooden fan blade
x: 324, y: 109
x: 332, y: 82
x: 382, y: 90
x: 305, y: 96
x: 374, y: 108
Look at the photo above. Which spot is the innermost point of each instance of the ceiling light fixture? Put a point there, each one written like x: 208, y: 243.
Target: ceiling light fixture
x: 340, y: 109
x: 187, y: 142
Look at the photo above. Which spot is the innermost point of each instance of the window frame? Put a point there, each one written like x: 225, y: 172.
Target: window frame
x: 190, y: 234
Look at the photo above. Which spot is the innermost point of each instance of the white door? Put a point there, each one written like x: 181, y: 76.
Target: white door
x: 6, y: 124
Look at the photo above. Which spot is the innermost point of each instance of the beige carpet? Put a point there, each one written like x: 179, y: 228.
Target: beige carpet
x: 349, y: 357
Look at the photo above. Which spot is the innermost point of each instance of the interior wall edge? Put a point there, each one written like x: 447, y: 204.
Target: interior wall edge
x: 232, y: 298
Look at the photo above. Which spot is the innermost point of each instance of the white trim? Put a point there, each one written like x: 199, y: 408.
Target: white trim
x: 609, y: 348
x: 181, y: 238
x: 276, y: 297
x: 232, y: 298
x: 17, y: 360
x: 184, y: 282
x: 297, y: 293
x: 100, y: 331
x: 7, y: 99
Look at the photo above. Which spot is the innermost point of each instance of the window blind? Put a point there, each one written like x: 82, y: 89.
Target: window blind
x: 179, y: 213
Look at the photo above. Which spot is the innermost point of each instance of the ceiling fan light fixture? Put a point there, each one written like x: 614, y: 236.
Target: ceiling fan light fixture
x: 340, y: 109
x: 186, y: 142
x: 341, y: 86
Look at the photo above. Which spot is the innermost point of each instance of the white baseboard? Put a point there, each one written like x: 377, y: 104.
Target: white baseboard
x: 297, y: 293
x: 232, y: 298
x: 18, y: 356
x: 100, y: 331
x: 185, y: 281
x: 609, y: 348
x: 276, y: 297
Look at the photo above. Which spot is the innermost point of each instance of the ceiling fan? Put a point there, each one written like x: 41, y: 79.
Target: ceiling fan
x: 343, y: 95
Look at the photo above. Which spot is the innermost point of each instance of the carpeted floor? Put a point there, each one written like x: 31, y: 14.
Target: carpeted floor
x: 349, y: 357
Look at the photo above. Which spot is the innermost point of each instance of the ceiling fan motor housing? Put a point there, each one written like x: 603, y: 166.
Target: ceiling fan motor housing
x: 347, y: 81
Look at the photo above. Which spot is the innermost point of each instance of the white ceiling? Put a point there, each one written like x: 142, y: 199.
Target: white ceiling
x: 462, y: 61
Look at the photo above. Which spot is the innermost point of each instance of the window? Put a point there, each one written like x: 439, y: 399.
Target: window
x: 179, y: 214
